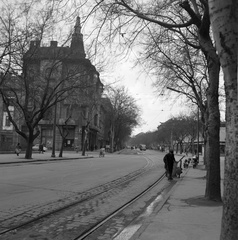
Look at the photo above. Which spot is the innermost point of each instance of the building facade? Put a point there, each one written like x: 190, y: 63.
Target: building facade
x: 80, y: 116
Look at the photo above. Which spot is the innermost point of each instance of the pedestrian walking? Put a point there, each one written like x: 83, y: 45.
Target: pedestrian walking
x: 18, y: 149
x: 102, y: 152
x: 41, y: 148
x: 169, y: 163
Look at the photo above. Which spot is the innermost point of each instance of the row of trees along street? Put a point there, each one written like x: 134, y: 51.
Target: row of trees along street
x: 178, y: 133
x: 177, y: 33
x: 173, y: 34
x: 124, y: 115
x: 189, y: 65
x: 183, y: 44
x: 31, y: 95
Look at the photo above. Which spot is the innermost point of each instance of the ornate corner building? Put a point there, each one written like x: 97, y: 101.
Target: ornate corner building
x: 81, y: 115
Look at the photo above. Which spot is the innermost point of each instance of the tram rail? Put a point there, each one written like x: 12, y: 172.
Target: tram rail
x: 8, y: 223
x: 85, y: 232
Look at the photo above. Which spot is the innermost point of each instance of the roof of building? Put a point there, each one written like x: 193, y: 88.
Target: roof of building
x: 75, y: 51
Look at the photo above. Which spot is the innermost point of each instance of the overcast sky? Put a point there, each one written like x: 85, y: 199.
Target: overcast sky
x: 154, y: 109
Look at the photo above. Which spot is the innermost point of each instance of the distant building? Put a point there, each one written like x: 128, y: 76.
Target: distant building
x: 222, y: 140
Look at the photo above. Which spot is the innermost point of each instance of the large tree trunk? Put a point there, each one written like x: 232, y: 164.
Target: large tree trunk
x: 213, y: 188
x: 85, y: 135
x: 224, y: 19
x: 62, y: 147
x: 28, y: 154
x: 30, y: 141
x: 213, y: 127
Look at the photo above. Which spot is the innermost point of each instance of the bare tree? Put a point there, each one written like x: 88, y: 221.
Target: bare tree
x: 91, y: 113
x: 179, y: 68
x: 64, y: 132
x: 124, y: 116
x: 16, y: 32
x: 178, y: 132
x: 130, y: 18
x: 30, y: 89
x: 150, y: 139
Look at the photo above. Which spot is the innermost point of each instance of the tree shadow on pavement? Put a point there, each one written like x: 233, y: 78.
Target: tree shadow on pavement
x: 202, y: 201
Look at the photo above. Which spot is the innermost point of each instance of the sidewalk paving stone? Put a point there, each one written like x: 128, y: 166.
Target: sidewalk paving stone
x: 186, y: 215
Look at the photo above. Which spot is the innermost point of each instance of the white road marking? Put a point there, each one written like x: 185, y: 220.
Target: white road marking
x: 129, y: 231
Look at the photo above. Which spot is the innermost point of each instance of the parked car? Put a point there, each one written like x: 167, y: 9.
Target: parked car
x: 36, y: 147
x: 142, y: 147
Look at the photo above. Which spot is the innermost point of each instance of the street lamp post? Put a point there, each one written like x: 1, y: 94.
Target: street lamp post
x: 175, y: 90
x: 198, y: 133
x: 54, y: 132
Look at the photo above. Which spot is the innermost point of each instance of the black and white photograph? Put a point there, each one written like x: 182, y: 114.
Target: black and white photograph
x: 118, y: 120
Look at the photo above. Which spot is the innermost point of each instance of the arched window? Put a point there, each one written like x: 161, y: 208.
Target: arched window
x: 95, y: 119
x: 31, y: 72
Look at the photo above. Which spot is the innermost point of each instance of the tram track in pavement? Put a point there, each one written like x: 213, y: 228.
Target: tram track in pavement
x: 91, y: 232
x: 24, y: 218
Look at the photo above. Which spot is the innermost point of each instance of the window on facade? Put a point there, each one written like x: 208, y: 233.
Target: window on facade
x: 7, y: 125
x: 31, y: 73
x: 69, y: 111
x: 95, y: 78
x: 95, y: 119
x: 51, y: 74
x: 85, y: 88
x: 48, y: 115
x: 3, y: 138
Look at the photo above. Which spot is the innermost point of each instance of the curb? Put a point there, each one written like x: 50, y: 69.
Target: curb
x: 44, y: 160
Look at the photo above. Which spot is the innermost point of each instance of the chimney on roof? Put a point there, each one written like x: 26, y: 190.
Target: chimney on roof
x: 35, y: 44
x: 53, y: 43
x: 32, y: 44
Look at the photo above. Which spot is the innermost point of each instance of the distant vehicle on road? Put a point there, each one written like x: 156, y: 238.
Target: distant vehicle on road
x: 36, y: 147
x: 142, y: 147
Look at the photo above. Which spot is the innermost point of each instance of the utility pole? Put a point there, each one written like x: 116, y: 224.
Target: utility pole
x: 171, y: 140
x: 174, y: 90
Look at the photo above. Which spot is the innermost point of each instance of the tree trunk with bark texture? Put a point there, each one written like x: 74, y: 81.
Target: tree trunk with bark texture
x: 30, y: 141
x: 213, y: 187
x: 224, y: 19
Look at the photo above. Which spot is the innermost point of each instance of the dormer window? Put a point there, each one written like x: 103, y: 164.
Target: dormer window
x: 95, y: 77
x: 96, y: 120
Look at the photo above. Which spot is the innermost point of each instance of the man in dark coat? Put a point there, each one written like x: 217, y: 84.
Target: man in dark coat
x: 41, y: 148
x: 169, y: 163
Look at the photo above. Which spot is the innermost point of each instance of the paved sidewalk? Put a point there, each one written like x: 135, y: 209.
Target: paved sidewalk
x: 46, y: 156
x: 186, y: 215
x: 7, y: 158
